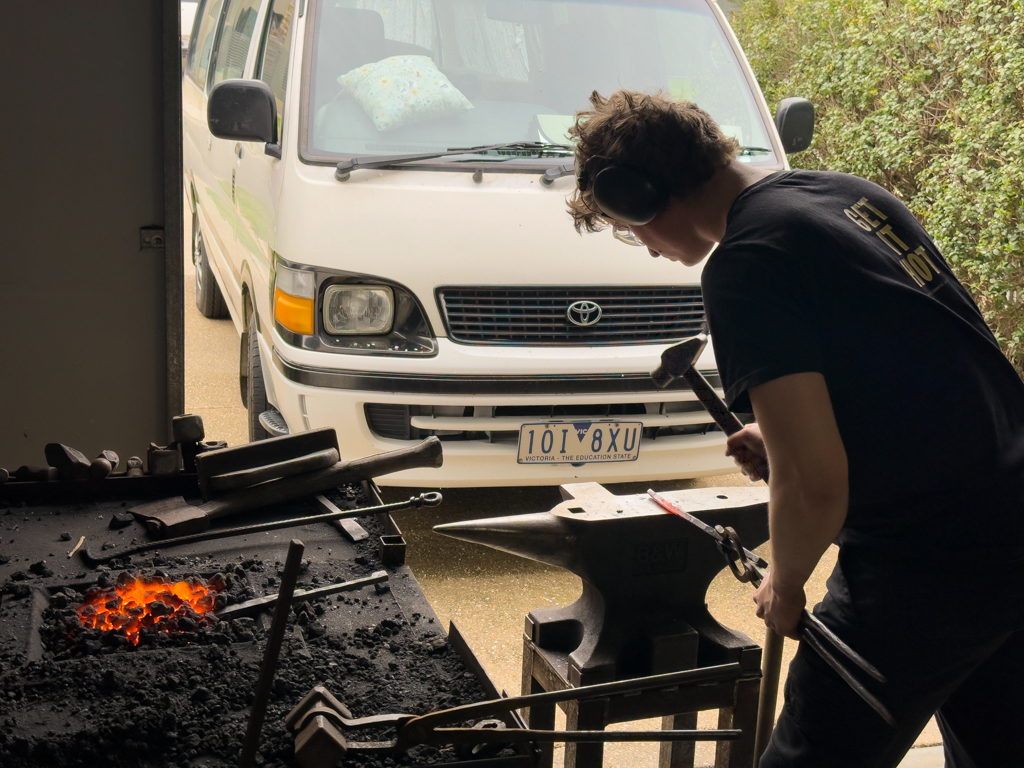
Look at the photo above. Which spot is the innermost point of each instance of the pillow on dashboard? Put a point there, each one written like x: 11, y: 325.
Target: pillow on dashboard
x: 401, y: 90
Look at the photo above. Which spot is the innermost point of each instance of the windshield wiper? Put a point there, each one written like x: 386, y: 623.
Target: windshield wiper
x: 345, y: 167
x: 754, y: 151
x: 556, y: 173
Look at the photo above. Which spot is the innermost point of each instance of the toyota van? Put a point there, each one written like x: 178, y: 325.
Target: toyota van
x: 378, y: 191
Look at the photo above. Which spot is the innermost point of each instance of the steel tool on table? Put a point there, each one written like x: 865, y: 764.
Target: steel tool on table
x: 271, y: 478
x: 243, y: 466
x: 268, y: 668
x: 423, y: 500
x: 260, y: 604
x: 679, y: 361
x: 320, y: 720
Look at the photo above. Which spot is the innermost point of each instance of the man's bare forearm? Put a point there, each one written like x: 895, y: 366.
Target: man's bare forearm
x: 809, y: 488
x: 802, y: 523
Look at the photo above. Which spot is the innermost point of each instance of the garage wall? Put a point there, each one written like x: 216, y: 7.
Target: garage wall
x: 90, y: 322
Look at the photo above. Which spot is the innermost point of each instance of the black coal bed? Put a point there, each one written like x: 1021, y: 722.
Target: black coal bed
x: 72, y: 696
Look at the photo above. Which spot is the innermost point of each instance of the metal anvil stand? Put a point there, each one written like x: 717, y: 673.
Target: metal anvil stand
x: 645, y: 575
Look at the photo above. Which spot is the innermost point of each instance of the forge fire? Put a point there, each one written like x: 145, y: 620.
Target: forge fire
x: 136, y: 602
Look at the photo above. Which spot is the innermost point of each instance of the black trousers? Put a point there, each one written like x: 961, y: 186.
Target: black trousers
x: 942, y: 618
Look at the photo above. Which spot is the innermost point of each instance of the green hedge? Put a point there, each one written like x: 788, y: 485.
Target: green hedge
x: 925, y: 97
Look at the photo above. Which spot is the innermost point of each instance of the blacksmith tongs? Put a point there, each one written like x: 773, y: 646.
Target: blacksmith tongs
x: 749, y: 567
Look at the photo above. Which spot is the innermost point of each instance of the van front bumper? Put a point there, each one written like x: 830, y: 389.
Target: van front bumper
x: 311, y: 396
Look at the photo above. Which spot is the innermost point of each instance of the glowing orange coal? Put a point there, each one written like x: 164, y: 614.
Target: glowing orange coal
x: 135, y: 602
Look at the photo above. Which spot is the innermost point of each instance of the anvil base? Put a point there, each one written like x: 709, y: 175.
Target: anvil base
x: 735, y: 698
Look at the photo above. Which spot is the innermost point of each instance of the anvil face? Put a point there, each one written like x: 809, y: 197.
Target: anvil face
x: 643, y: 569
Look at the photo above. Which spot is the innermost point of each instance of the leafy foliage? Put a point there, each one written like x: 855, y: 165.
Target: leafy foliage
x: 926, y: 98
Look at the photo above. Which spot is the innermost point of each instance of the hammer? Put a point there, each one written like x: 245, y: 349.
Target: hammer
x: 679, y: 361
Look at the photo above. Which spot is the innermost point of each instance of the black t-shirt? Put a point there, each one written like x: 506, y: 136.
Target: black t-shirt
x: 830, y: 273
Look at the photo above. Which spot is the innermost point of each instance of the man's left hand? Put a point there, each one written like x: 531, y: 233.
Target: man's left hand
x: 780, y: 608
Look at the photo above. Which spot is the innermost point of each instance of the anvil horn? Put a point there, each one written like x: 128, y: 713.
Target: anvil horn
x: 542, y: 537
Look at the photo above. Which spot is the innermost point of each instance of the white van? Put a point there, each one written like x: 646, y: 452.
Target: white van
x: 384, y: 220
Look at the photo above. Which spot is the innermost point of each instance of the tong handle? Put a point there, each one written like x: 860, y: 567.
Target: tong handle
x: 812, y: 640
x: 810, y: 621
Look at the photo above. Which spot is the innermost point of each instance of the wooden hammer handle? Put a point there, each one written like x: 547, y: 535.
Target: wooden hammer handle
x: 426, y: 454
x: 715, y: 405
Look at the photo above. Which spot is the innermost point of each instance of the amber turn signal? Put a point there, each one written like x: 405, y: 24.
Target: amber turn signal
x: 294, y: 313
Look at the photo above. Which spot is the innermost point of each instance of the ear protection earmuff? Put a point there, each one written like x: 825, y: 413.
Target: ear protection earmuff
x: 626, y: 194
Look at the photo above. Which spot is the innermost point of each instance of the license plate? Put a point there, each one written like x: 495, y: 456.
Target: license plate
x: 579, y: 442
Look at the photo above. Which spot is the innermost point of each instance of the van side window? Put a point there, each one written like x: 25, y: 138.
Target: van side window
x: 201, y: 43
x: 239, y: 25
x: 273, y: 64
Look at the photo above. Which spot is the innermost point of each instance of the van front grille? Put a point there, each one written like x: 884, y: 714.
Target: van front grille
x: 542, y: 316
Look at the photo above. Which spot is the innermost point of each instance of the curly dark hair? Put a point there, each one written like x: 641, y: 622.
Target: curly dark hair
x: 675, y: 141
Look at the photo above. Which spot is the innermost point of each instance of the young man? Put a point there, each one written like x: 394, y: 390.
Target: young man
x: 886, y: 409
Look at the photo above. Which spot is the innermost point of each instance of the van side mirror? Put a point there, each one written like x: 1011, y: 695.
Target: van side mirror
x: 244, y: 110
x: 795, y: 123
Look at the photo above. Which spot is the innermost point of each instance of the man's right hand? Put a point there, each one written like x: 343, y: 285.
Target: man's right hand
x: 747, y: 449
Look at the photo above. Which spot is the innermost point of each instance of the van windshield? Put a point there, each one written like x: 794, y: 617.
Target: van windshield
x: 390, y: 76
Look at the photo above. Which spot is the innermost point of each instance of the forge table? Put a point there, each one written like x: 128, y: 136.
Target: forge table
x: 380, y: 649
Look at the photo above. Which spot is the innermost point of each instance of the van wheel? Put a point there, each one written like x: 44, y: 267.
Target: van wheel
x: 256, y: 393
x: 209, y: 300
x: 243, y: 367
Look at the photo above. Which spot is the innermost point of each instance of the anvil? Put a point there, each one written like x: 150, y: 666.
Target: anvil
x: 645, y: 575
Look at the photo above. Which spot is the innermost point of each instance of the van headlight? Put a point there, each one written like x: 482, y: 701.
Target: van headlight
x: 328, y: 310
x: 358, y: 309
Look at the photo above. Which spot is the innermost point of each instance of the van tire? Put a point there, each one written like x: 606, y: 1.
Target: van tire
x: 243, y: 367
x: 209, y: 299
x: 256, y: 393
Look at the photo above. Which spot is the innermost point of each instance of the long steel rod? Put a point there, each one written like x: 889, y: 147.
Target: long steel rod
x: 699, y: 676
x: 516, y: 735
x: 423, y: 500
x: 273, y: 650
x: 256, y: 605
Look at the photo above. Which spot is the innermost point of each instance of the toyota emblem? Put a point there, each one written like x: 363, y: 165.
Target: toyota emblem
x: 583, y: 313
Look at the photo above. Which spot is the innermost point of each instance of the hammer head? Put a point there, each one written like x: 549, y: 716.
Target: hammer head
x: 677, y: 360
